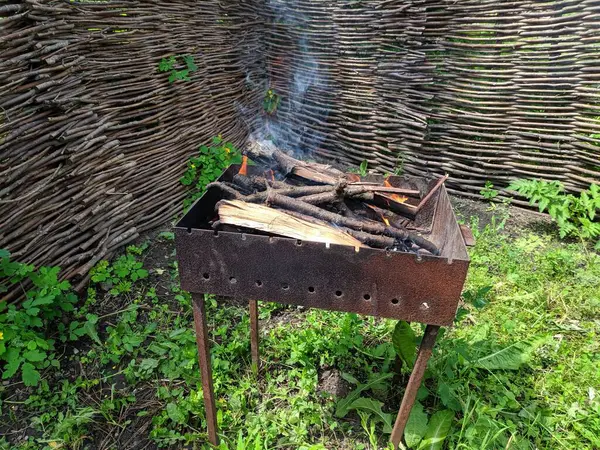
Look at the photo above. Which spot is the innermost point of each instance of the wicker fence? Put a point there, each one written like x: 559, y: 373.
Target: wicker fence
x: 480, y: 89
x: 93, y: 139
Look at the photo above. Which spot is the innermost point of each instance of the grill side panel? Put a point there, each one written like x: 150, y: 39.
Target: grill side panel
x: 371, y: 282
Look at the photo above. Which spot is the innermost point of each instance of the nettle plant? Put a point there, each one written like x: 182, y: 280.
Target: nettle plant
x: 118, y: 277
x: 575, y: 215
x: 179, y: 66
x: 28, y: 333
x: 488, y: 192
x: 207, y: 166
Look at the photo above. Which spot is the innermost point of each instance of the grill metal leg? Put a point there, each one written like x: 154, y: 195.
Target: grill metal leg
x: 204, y: 359
x: 414, y: 382
x: 254, y: 341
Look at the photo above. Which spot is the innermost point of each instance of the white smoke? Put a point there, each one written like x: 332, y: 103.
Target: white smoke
x: 301, y: 103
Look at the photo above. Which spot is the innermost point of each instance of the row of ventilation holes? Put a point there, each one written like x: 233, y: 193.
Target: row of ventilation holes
x: 285, y: 287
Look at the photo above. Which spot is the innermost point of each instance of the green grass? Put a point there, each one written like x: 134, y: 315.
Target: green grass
x: 143, y: 379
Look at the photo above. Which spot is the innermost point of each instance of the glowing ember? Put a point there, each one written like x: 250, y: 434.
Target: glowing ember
x: 244, y: 168
x: 353, y: 178
x: 397, y: 198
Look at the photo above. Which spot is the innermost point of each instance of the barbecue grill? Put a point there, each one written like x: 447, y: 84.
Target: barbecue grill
x: 393, y: 284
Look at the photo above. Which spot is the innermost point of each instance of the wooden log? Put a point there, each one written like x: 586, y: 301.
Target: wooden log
x: 323, y: 194
x: 372, y: 240
x: 331, y: 197
x: 385, y: 189
x: 318, y: 173
x: 257, y: 183
x: 270, y: 220
x: 290, y: 191
x: 227, y: 192
x: 247, y: 184
x: 437, y: 186
x: 337, y: 219
x: 394, y: 219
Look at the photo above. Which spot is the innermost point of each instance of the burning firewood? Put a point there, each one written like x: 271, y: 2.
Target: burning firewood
x: 341, y: 190
x: 227, y: 191
x: 304, y: 208
x: 372, y: 240
x: 390, y: 218
x: 331, y: 197
x: 256, y: 183
x: 259, y: 197
x: 325, y: 201
x: 318, y: 173
x: 270, y: 220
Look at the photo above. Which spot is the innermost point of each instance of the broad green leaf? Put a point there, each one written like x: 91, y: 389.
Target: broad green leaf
x: 32, y: 311
x: 167, y: 235
x: 447, y: 396
x: 149, y: 364
x: 175, y: 413
x: 404, y: 343
x: 349, y: 378
x: 237, y: 159
x: 373, y: 407
x: 511, y: 357
x: 31, y: 377
x: 142, y: 273
x: 46, y: 300
x: 191, y: 65
x: 4, y: 253
x: 92, y: 318
x: 437, y: 431
x: 363, y: 168
x: 90, y: 329
x: 182, y: 74
x: 444, y: 393
x: 34, y: 355
x: 166, y: 64
x: 11, y: 368
x: 416, y: 427
x: 342, y: 407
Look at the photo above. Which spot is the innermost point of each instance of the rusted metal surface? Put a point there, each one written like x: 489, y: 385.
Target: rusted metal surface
x: 467, y: 235
x: 414, y: 382
x: 373, y: 282
x: 254, y: 340
x: 205, y: 367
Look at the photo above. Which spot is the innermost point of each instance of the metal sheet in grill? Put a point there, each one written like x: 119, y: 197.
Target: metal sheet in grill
x: 371, y: 281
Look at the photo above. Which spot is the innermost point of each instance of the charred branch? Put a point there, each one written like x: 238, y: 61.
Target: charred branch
x: 359, y: 225
x: 331, y: 197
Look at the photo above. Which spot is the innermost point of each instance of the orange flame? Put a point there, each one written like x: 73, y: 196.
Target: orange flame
x: 353, y: 178
x: 385, y: 220
x: 397, y: 198
x: 244, y: 168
